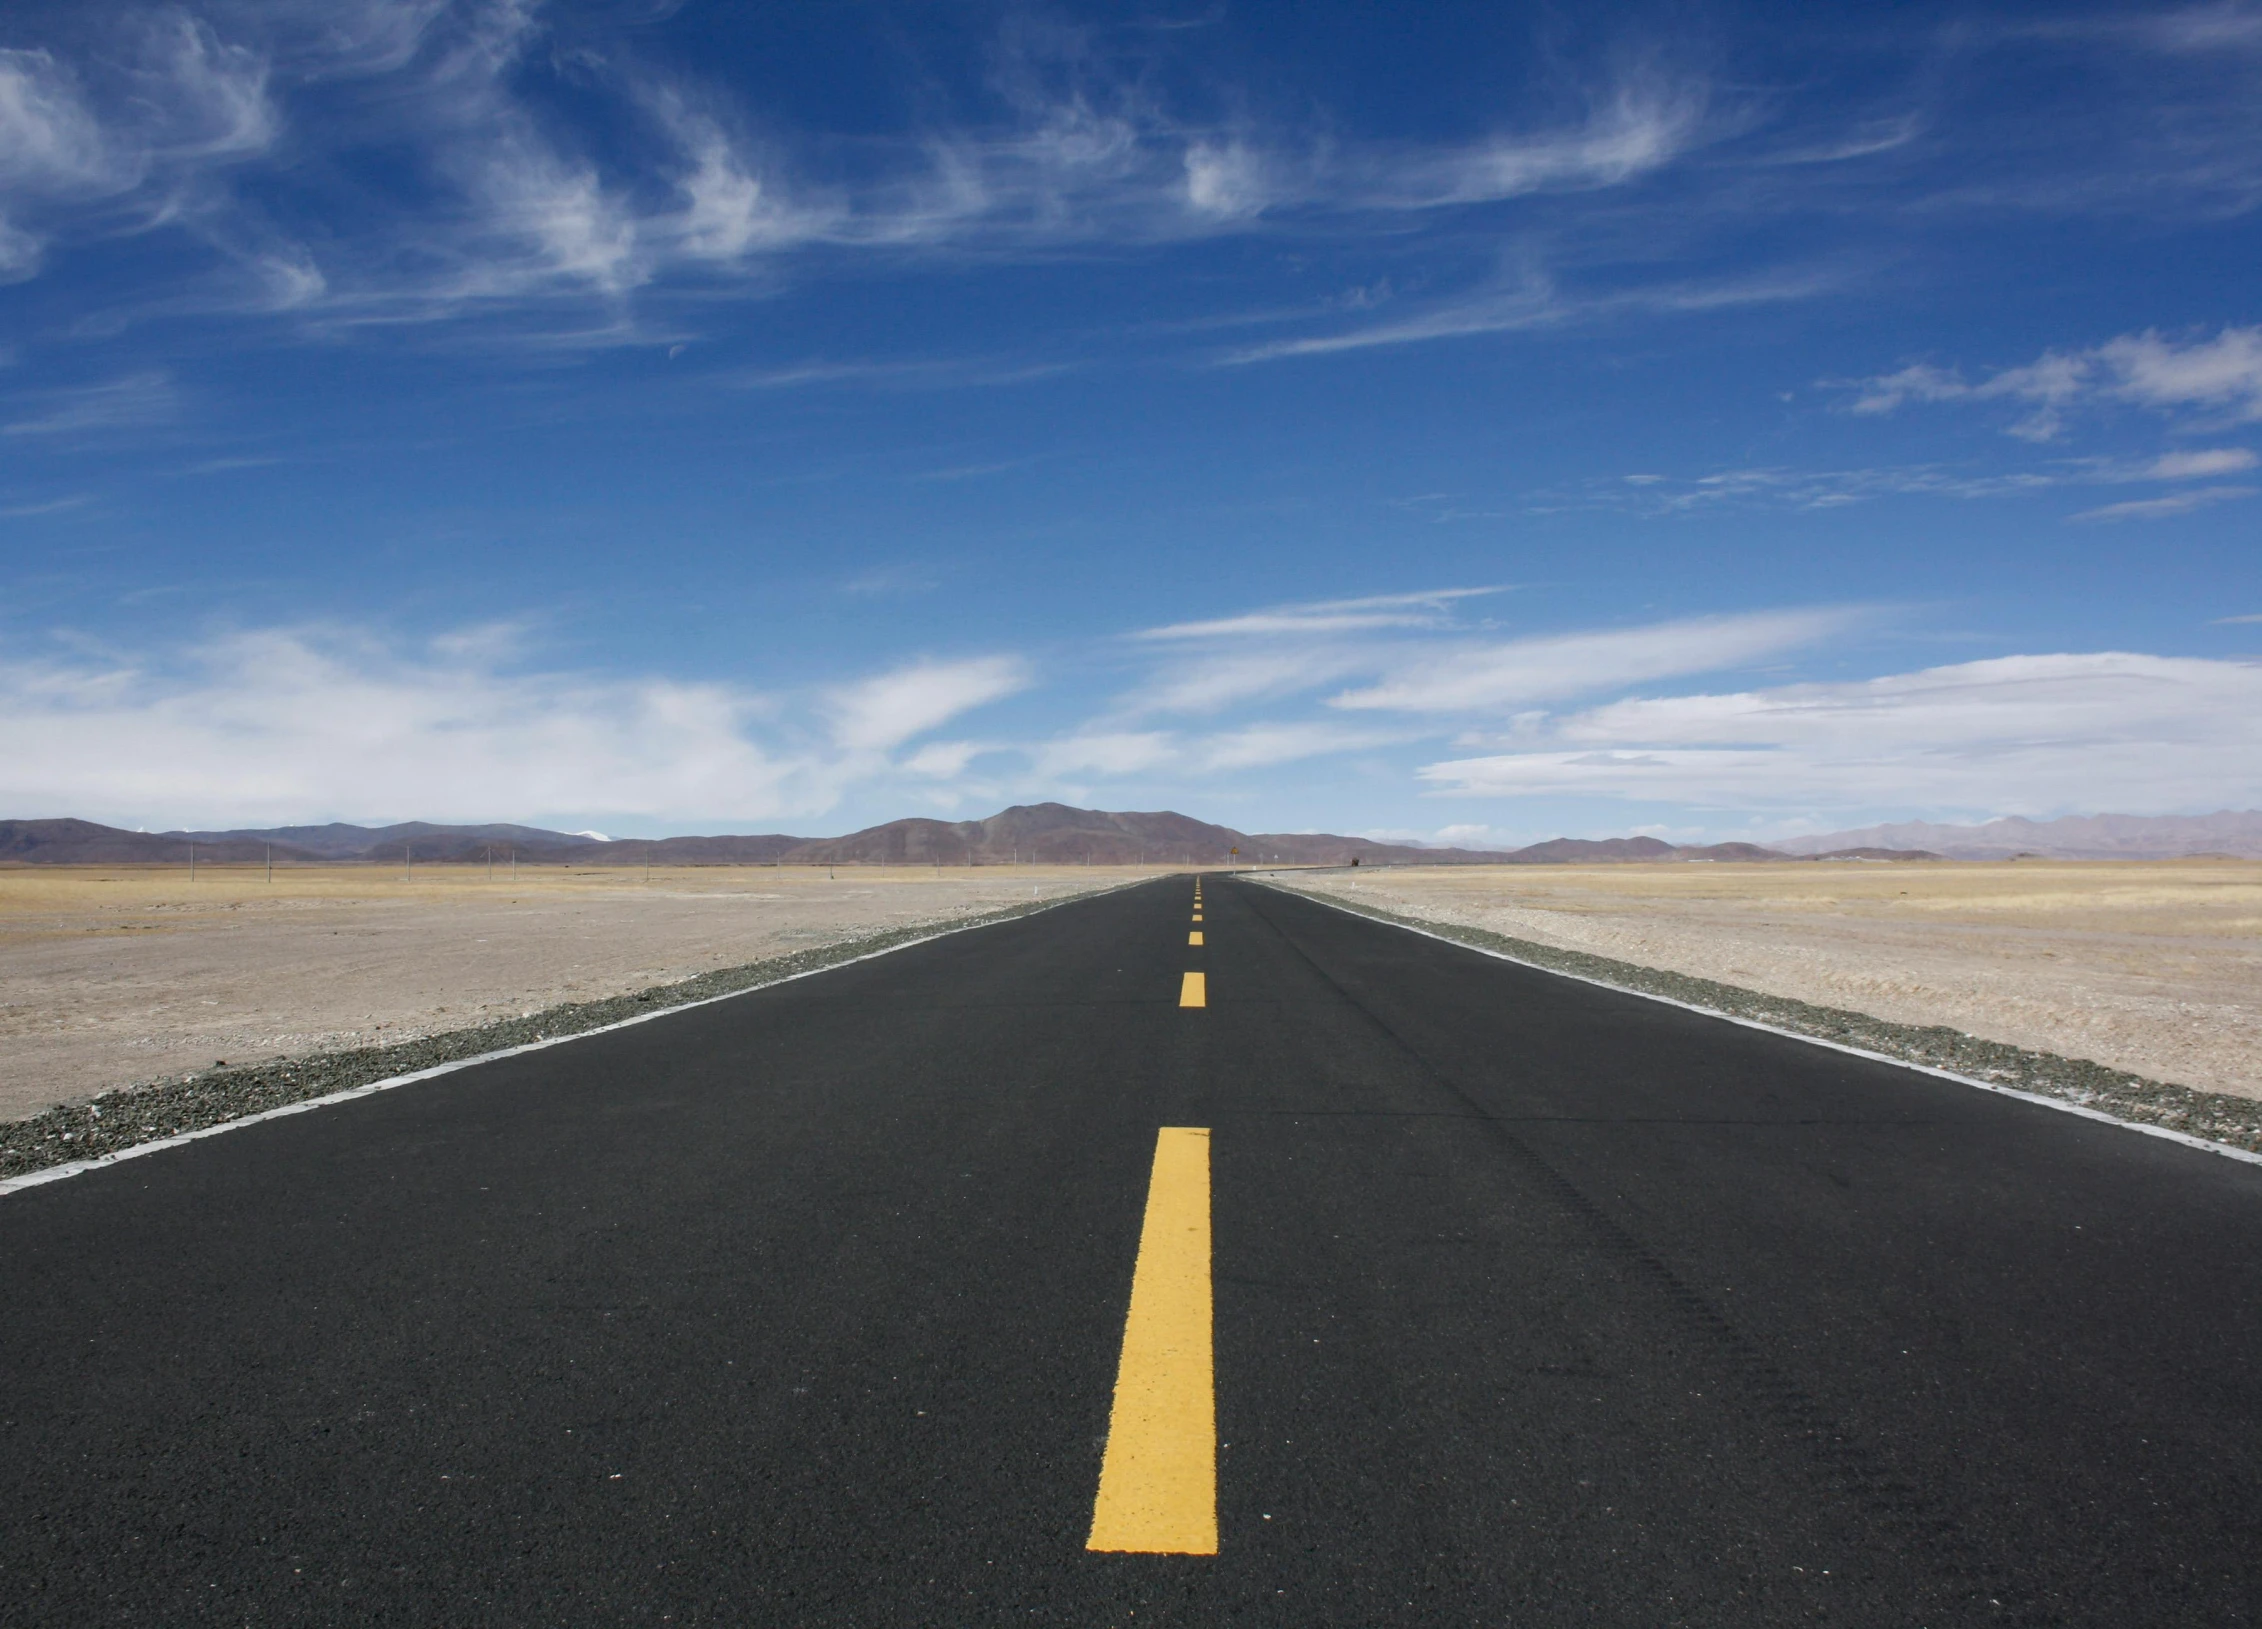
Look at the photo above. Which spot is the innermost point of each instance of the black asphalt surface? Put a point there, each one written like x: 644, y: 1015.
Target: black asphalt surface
x: 1536, y: 1304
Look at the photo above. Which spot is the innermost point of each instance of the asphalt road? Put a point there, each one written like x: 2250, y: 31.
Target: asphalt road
x: 1534, y: 1304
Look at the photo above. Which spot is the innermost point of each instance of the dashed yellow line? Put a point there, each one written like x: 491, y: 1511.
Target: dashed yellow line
x: 1195, y: 937
x: 1158, y: 1478
x: 1194, y: 991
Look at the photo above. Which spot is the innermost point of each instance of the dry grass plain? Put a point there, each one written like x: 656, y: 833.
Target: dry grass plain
x: 2153, y: 967
x: 113, y: 974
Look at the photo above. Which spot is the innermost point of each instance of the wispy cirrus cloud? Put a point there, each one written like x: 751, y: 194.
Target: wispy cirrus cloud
x: 1426, y: 609
x: 2200, y: 464
x: 118, y: 141
x: 1258, y: 746
x: 1285, y: 650
x: 1420, y: 675
x: 1405, y: 655
x: 367, y: 165
x: 1533, y: 301
x: 2219, y: 376
x: 2021, y: 734
x: 888, y: 709
x: 283, y: 724
x: 502, y: 199
x: 2174, y: 503
x: 1212, y: 683
x: 1786, y: 488
x: 133, y: 402
x: 44, y: 506
x: 310, y: 722
x: 1499, y: 677
x: 304, y: 722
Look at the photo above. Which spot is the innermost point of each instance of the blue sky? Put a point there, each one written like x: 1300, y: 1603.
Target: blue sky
x: 1482, y: 424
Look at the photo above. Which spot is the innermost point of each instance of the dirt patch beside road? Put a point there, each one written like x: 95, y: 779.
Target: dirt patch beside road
x: 2150, y: 967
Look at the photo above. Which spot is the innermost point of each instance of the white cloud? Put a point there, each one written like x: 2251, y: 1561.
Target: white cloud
x: 1419, y: 610
x: 2224, y: 372
x: 1642, y: 124
x: 1806, y: 489
x: 138, y: 126
x: 133, y: 402
x: 1256, y: 746
x: 944, y: 760
x: 1103, y: 752
x: 2199, y: 465
x: 2028, y: 734
x: 2224, y: 27
x: 294, y: 724
x: 1226, y: 181
x: 47, y: 506
x: 306, y: 723
x: 1918, y: 382
x: 172, y: 102
x: 1284, y: 650
x: 1209, y: 684
x: 1521, y: 673
x: 2051, y: 382
x: 2175, y: 503
x: 1781, y: 488
x: 50, y: 145
x: 560, y: 208
x: 2222, y: 375
x: 731, y: 209
x: 889, y: 709
x: 1531, y: 301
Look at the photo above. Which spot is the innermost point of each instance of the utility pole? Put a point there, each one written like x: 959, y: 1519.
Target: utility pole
x: 270, y: 862
x: 408, y: 861
x: 192, y: 862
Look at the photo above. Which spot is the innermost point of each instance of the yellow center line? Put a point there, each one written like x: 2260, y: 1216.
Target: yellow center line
x: 1194, y: 991
x: 1195, y: 937
x: 1158, y: 1479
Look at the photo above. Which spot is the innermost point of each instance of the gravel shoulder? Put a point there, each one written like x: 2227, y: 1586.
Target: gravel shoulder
x: 1955, y: 964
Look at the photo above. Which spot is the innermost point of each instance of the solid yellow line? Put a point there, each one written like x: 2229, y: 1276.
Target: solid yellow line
x: 1194, y: 991
x: 1195, y: 937
x: 1158, y: 1479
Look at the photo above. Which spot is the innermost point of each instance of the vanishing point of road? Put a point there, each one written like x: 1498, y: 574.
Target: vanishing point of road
x: 1107, y: 1267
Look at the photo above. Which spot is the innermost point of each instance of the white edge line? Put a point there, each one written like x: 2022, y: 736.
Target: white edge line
x: 56, y: 1173
x: 2058, y: 1103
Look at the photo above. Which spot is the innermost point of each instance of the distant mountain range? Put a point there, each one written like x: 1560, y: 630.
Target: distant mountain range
x: 1043, y: 833
x: 2076, y: 837
x: 1055, y: 834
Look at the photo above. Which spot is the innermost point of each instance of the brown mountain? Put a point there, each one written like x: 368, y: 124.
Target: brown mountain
x: 1043, y: 833
x: 2233, y: 832
x: 1056, y: 834
x: 82, y: 842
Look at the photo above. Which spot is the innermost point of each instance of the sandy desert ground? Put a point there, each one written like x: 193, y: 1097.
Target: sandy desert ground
x: 2154, y: 967
x: 110, y: 975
